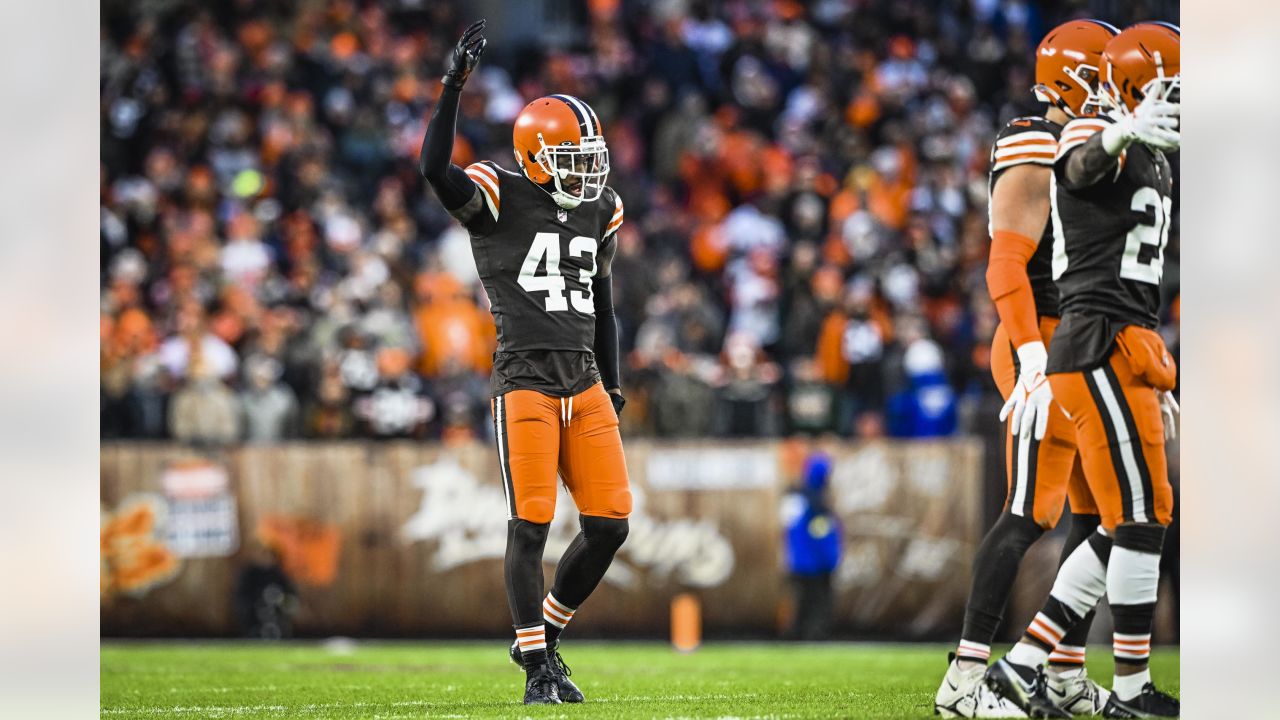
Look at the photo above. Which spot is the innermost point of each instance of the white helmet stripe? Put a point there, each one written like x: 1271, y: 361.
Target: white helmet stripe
x: 593, y: 125
x: 584, y: 113
x: 591, y: 111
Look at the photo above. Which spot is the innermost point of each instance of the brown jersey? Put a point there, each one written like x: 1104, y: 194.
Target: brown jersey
x: 536, y: 261
x: 1108, y: 248
x: 1033, y: 141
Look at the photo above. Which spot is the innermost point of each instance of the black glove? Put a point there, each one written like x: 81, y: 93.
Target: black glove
x: 618, y: 401
x: 466, y: 55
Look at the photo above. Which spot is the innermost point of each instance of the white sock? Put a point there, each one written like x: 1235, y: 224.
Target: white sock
x: 1068, y: 655
x: 1127, y: 687
x: 1133, y: 577
x: 1027, y: 654
x: 972, y: 653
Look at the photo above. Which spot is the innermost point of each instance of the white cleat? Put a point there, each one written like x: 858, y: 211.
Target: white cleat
x: 963, y: 694
x: 1074, y: 692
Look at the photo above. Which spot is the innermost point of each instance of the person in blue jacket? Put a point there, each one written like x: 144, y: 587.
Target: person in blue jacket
x: 812, y: 544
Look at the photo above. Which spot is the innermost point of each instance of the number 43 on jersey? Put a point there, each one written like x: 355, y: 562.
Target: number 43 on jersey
x: 544, y: 254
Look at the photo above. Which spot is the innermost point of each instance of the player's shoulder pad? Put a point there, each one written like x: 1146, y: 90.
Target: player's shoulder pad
x: 1029, y: 124
x: 1025, y: 140
x: 1079, y: 130
x: 615, y: 220
x: 488, y: 177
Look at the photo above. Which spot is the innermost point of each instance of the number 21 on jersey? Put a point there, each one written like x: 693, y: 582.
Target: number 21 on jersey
x: 1132, y: 267
x: 545, y: 250
x: 1146, y: 201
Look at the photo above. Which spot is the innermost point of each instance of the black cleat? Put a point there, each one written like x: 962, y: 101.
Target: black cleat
x: 540, y: 686
x: 1149, y: 703
x: 564, y: 686
x: 1023, y: 686
x: 568, y: 691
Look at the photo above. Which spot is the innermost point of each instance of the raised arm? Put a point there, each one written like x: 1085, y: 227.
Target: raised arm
x: 455, y: 189
x: 1093, y: 148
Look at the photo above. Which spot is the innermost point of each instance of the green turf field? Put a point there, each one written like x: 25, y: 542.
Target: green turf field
x: 457, y: 680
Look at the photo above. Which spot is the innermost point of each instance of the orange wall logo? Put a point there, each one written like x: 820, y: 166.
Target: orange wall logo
x: 134, y: 556
x: 309, y: 550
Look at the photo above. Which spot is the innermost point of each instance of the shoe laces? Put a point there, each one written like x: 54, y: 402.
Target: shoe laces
x: 1040, y: 684
x: 560, y: 665
x: 543, y: 675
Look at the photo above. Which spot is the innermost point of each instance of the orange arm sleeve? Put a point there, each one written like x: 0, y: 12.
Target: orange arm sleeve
x: 1010, y: 288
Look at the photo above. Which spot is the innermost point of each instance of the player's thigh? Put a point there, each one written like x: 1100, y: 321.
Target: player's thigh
x: 592, y: 461
x: 1072, y: 393
x: 1039, y: 471
x: 1118, y: 430
x: 527, y: 428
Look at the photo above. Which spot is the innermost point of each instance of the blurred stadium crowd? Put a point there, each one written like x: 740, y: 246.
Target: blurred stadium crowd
x: 805, y: 184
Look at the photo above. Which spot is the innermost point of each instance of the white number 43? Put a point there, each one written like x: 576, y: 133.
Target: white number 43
x: 545, y: 250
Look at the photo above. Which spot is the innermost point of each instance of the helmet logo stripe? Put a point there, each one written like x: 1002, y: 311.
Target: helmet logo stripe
x: 583, y: 114
x: 593, y: 125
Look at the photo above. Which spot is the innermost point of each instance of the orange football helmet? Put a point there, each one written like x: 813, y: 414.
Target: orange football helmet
x: 1141, y: 60
x: 558, y: 141
x: 1067, y: 64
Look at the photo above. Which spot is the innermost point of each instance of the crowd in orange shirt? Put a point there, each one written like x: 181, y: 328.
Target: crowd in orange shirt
x: 805, y: 187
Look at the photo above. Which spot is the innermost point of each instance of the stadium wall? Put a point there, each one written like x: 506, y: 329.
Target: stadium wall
x: 406, y: 539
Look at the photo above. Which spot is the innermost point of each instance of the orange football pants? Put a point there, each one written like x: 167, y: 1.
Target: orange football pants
x: 1041, y: 474
x: 1115, y: 409
x: 577, y: 437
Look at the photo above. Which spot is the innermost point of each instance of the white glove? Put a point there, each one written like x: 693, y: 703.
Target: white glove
x: 1169, y: 413
x: 1154, y: 122
x: 1030, y: 399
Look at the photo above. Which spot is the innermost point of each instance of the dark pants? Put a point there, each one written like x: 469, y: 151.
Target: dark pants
x: 813, y: 607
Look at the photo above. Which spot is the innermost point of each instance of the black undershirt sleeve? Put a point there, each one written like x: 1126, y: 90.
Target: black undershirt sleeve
x: 451, y: 183
x: 606, y: 344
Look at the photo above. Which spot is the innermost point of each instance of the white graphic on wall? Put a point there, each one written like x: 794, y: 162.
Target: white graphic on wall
x: 467, y: 521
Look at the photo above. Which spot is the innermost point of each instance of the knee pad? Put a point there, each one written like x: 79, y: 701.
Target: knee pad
x: 527, y: 537
x: 607, y: 532
x: 537, y: 510
x: 1140, y: 537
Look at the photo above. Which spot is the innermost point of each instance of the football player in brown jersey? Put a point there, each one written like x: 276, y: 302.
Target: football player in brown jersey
x: 1040, y: 450
x: 543, y: 240
x: 1108, y: 368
